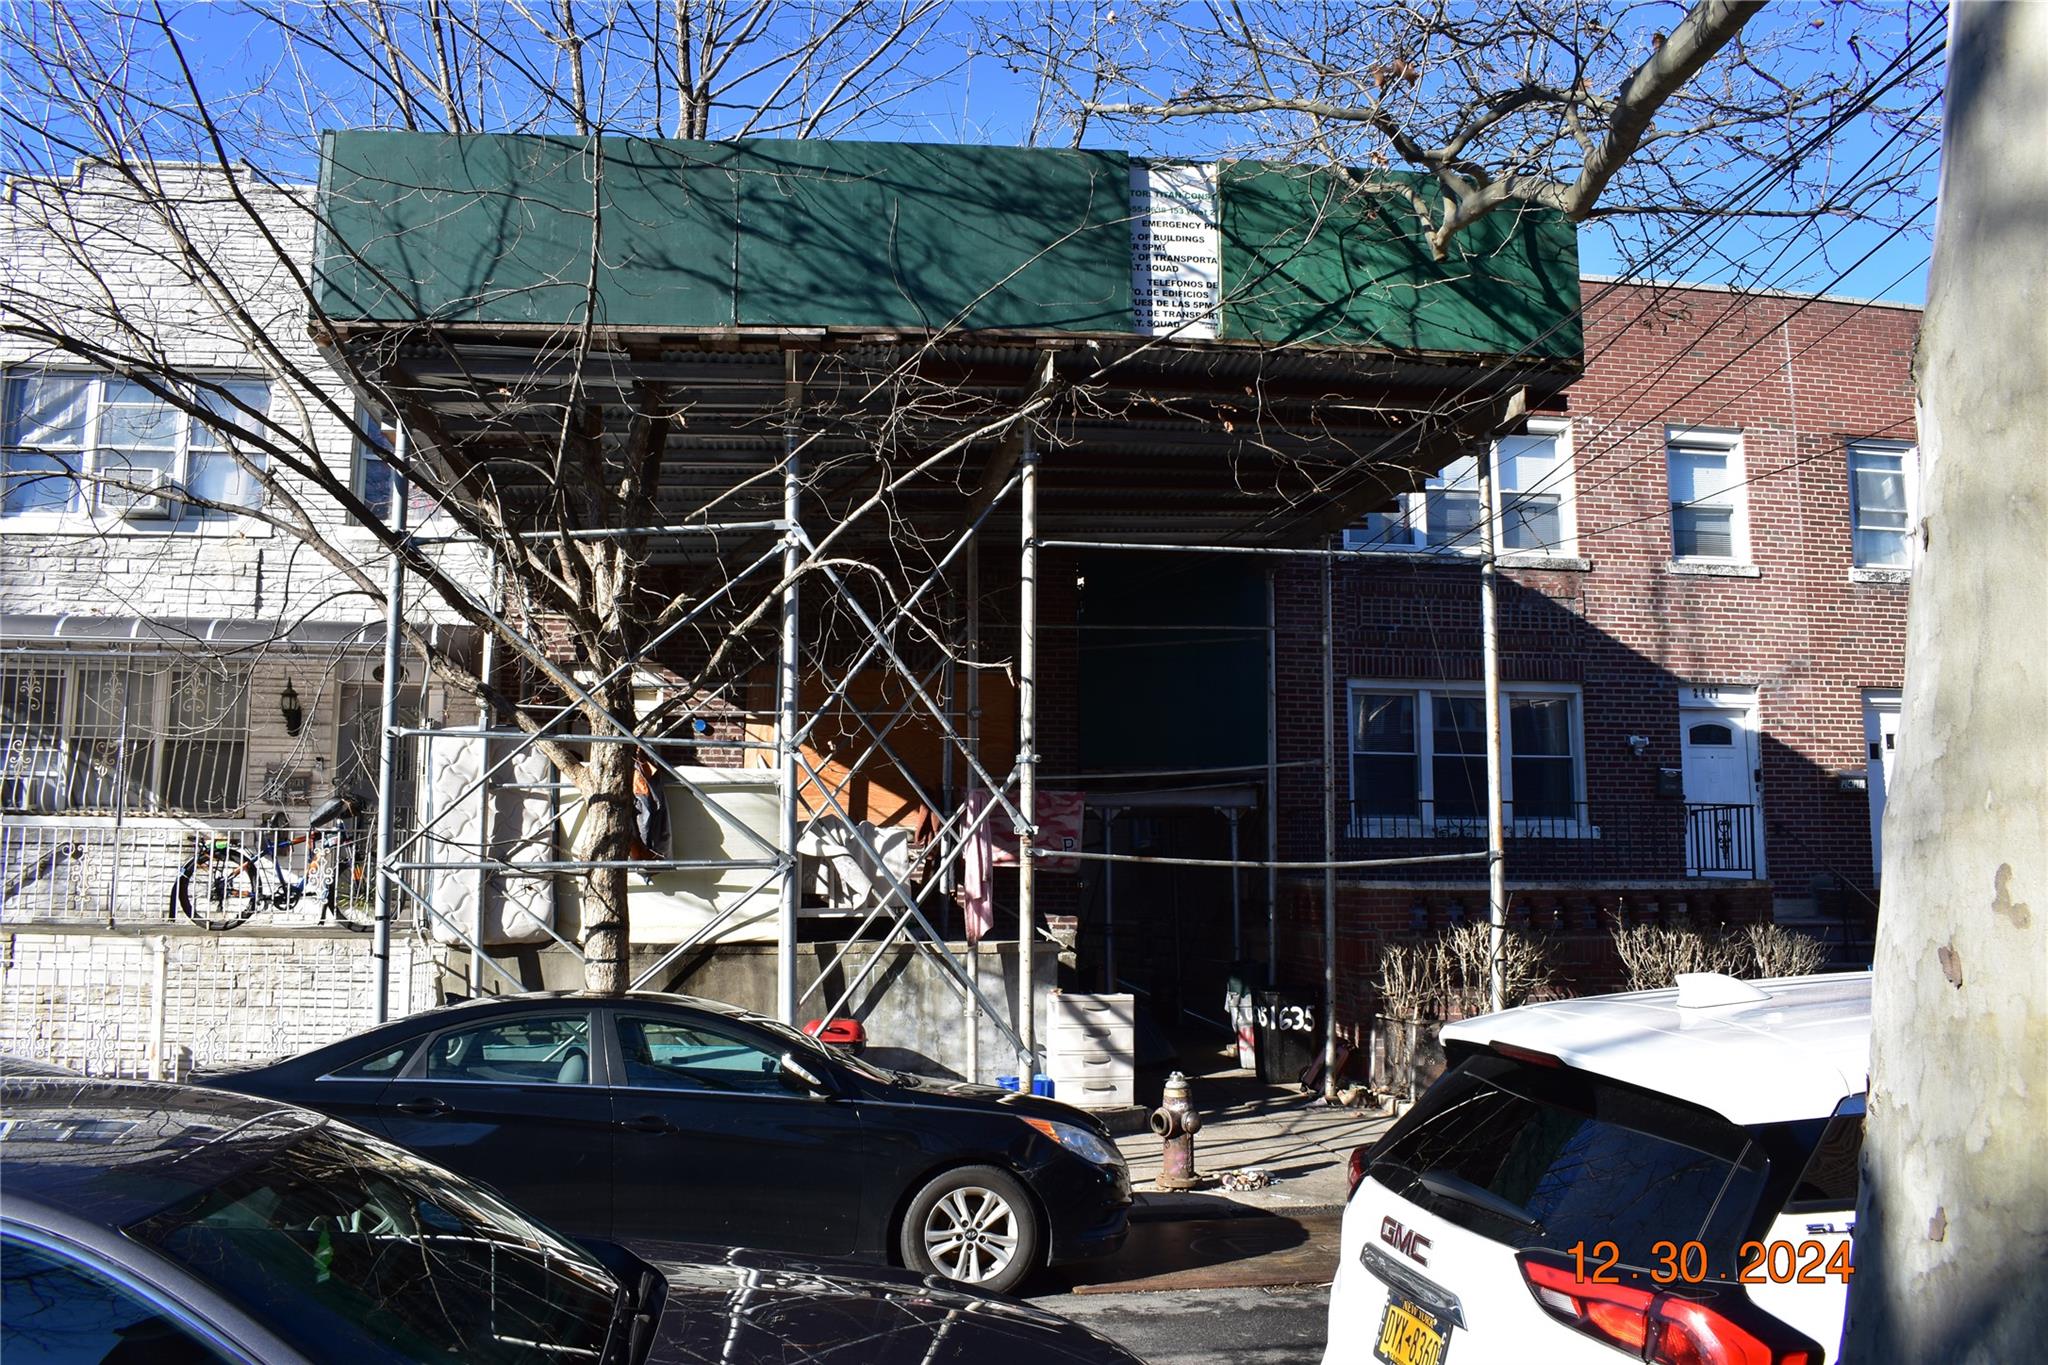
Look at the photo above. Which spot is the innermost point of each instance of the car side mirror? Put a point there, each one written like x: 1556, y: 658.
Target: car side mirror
x: 796, y: 1075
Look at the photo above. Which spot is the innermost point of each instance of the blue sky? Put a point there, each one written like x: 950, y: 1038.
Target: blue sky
x: 950, y: 97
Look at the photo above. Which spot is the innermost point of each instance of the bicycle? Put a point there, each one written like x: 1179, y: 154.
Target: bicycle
x: 222, y: 885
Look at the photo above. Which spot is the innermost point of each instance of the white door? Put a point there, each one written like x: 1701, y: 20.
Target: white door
x: 1720, y: 794
x: 1880, y: 736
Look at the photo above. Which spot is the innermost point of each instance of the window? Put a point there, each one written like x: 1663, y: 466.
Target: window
x: 1534, y: 473
x: 371, y: 476
x: 670, y: 1054
x: 1410, y: 780
x: 534, y: 1049
x: 109, y: 735
x: 1709, y: 512
x: 1880, y: 504
x: 378, y: 1066
x: 1562, y: 1156
x: 353, y: 1250
x: 83, y: 443
x: 54, y: 1309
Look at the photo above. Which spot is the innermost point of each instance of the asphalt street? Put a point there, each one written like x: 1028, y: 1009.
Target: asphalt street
x: 1209, y: 1326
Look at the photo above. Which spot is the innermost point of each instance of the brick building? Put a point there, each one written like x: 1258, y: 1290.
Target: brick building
x: 1707, y: 548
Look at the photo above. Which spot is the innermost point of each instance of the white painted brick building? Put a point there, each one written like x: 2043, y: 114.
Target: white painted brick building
x: 147, y: 644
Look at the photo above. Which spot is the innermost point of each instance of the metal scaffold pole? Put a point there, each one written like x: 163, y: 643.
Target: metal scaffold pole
x: 1329, y: 837
x: 1027, y: 745
x: 970, y: 727
x: 387, y: 749
x: 786, y: 732
x: 1272, y: 784
x: 1489, y: 651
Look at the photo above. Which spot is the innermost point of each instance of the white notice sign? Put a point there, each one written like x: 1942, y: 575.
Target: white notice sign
x: 1176, y: 250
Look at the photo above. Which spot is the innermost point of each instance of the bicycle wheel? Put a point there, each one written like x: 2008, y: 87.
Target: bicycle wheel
x: 217, y: 888
x: 348, y: 895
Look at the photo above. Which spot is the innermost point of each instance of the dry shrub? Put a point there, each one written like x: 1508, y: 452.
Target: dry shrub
x: 1653, y: 955
x: 1405, y: 979
x: 1778, y: 951
x: 1446, y: 976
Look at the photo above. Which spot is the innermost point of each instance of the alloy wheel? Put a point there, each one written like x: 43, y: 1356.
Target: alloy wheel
x: 971, y: 1234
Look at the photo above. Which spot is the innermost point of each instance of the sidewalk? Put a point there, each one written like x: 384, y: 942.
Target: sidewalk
x: 1212, y: 1238
x: 1300, y: 1142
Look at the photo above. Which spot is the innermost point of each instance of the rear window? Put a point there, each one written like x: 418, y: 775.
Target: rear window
x: 1547, y: 1157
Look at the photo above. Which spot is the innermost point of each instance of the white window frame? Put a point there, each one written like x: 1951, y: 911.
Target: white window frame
x: 1424, y: 824
x: 1909, y: 473
x: 157, y: 740
x: 86, y: 508
x: 1407, y: 531
x: 362, y: 455
x: 1711, y: 441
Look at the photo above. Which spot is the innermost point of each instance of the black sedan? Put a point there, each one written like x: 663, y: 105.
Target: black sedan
x: 649, y: 1117
x: 171, y: 1225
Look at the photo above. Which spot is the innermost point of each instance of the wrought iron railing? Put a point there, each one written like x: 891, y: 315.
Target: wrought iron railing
x: 55, y: 869
x: 1720, y: 841
x: 1640, y: 840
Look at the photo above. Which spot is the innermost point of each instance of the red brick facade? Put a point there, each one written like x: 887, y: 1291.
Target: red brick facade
x: 1615, y: 621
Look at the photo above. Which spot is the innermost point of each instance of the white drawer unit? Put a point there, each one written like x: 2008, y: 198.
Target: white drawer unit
x: 1089, y: 1049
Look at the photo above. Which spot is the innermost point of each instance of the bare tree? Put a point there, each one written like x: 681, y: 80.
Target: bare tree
x: 1653, y: 113
x: 131, y: 158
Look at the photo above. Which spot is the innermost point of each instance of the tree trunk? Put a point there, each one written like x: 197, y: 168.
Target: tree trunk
x: 607, y: 836
x: 1952, y: 1228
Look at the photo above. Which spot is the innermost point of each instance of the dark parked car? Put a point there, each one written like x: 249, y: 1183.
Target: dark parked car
x: 171, y: 1225
x: 665, y: 1118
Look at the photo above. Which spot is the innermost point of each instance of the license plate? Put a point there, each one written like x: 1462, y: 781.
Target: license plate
x: 1410, y: 1334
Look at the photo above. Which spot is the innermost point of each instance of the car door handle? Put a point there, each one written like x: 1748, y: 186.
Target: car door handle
x: 648, y: 1123
x: 424, y: 1106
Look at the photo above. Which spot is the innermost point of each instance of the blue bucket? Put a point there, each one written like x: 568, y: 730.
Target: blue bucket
x: 1006, y: 1082
x: 1042, y: 1085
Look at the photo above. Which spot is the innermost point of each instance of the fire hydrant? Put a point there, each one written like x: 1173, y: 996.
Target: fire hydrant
x: 1176, y: 1121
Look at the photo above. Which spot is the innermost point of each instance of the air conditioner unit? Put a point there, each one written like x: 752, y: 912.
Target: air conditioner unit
x: 155, y: 499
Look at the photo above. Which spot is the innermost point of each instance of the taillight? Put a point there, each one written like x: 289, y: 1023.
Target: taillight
x: 1354, y: 1170
x: 1663, y: 1328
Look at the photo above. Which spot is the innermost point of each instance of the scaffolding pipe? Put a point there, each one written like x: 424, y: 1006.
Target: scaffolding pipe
x: 1027, y: 744
x: 1318, y: 865
x: 785, y: 727
x: 971, y: 731
x: 1329, y: 835
x: 1236, y: 891
x: 1272, y: 783
x: 1489, y: 653
x: 617, y: 532
x: 1109, y: 899
x: 486, y: 670
x: 387, y: 750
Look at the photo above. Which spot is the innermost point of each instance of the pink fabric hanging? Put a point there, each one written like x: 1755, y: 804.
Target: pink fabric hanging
x: 977, y: 871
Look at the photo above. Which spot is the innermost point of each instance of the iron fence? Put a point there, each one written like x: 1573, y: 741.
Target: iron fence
x: 1643, y: 840
x: 222, y: 874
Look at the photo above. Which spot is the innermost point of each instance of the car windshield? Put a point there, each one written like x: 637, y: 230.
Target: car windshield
x: 1541, y: 1156
x: 339, y: 1237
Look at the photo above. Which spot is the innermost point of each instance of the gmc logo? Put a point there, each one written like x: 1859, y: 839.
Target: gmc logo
x: 1407, y: 1241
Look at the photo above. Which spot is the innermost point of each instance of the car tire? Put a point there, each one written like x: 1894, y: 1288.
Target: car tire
x: 974, y: 1225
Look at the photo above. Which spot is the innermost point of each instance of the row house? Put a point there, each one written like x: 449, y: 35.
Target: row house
x: 1706, y: 551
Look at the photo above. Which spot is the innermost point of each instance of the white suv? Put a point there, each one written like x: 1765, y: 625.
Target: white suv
x: 1667, y: 1175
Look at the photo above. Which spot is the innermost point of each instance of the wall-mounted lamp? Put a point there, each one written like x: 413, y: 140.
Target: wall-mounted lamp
x: 1638, y: 745
x: 288, y: 707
